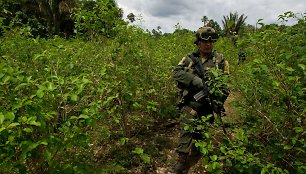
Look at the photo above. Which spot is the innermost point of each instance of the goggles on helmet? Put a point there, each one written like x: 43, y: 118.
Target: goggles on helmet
x: 207, y: 36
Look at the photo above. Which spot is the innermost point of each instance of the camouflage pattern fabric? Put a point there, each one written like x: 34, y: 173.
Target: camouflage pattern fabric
x: 184, y: 73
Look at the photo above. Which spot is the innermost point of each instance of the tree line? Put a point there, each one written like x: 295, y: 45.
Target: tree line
x: 55, y: 17
x: 69, y: 17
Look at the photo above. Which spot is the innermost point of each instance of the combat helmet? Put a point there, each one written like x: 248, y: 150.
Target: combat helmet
x: 206, y: 33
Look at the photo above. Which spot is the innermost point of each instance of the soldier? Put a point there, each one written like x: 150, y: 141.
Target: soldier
x: 191, y: 77
x: 241, y: 56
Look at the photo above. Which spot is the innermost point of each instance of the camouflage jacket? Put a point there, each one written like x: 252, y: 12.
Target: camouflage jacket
x: 185, y: 71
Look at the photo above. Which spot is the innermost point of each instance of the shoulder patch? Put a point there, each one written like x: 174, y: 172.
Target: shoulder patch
x: 185, y: 61
x: 182, y: 62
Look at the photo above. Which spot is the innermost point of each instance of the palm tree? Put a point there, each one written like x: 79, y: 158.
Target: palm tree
x: 131, y: 17
x: 205, y: 20
x: 233, y: 23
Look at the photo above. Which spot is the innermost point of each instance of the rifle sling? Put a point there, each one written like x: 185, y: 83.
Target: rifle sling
x: 198, y: 66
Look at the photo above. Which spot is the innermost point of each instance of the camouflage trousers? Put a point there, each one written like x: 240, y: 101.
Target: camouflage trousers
x: 189, y: 116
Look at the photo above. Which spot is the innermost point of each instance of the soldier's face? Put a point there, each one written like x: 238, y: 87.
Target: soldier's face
x: 206, y: 46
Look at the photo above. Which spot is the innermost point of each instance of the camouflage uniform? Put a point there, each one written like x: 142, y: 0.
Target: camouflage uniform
x: 184, y: 74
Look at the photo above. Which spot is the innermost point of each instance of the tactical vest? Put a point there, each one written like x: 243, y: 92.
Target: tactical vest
x: 215, y: 60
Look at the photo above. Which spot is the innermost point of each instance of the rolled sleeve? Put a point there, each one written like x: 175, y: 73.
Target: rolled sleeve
x: 181, y: 73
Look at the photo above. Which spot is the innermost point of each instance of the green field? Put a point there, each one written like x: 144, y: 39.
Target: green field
x: 102, y: 101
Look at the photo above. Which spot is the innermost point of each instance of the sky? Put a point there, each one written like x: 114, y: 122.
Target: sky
x: 188, y: 13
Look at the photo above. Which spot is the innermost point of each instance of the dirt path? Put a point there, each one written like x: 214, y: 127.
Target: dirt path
x: 229, y: 106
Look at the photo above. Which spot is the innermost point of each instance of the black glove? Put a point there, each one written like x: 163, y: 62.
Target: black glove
x: 197, y: 83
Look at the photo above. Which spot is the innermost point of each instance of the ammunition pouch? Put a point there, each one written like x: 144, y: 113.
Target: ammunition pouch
x: 189, y: 110
x: 181, y: 98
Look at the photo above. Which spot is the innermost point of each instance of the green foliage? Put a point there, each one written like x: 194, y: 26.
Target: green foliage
x: 100, y: 20
x: 145, y: 157
x: 269, y: 137
x: 75, y: 106
x: 211, y: 23
x: 61, y: 17
x: 56, y: 94
x: 36, y: 15
x: 43, y: 111
x: 271, y: 86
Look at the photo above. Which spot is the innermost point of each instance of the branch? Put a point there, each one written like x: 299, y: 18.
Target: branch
x: 272, y: 124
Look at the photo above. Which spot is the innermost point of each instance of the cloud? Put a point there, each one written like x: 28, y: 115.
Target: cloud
x: 188, y: 13
x: 164, y: 9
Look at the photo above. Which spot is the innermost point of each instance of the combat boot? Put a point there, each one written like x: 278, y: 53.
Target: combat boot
x: 180, y: 166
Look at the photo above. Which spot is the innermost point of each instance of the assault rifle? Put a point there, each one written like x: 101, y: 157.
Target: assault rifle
x: 219, y: 110
x: 204, y: 93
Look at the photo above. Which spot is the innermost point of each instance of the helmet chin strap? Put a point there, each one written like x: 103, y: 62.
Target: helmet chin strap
x: 205, y: 49
x: 205, y: 53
